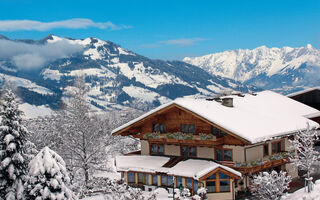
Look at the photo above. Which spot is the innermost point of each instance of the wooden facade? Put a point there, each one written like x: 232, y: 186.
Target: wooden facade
x: 309, y: 97
x: 174, y: 117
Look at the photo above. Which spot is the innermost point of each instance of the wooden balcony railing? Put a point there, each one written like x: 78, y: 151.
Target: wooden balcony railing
x: 261, y: 165
x: 184, y: 139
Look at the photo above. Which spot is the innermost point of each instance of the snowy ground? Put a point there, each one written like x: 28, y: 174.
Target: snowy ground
x: 303, y: 195
x: 161, y: 196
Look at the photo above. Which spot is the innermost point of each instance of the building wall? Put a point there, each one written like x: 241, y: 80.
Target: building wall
x: 292, y: 170
x: 145, y: 147
x: 254, y: 153
x: 205, y: 152
x: 237, y: 151
x: 287, y: 144
x: 171, y: 150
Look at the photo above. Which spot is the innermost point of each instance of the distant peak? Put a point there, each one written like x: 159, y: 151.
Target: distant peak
x: 49, y: 37
x: 309, y: 46
x: 262, y: 47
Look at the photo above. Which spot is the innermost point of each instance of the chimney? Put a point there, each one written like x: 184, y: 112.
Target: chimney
x: 228, y: 101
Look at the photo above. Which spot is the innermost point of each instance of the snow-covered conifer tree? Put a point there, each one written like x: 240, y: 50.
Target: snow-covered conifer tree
x: 13, y: 155
x: 270, y: 186
x: 48, y: 178
x: 306, y: 155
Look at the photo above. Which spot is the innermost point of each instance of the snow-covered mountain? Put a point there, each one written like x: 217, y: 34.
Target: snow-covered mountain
x: 44, y: 69
x: 281, y: 69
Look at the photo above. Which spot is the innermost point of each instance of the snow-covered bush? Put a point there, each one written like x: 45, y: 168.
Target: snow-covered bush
x: 202, y: 192
x: 48, y: 177
x: 270, y: 186
x: 306, y: 155
x: 113, y: 189
x: 185, y: 193
x: 13, y: 154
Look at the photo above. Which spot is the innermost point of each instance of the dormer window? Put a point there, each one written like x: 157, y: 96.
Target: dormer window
x: 188, y: 128
x: 159, y: 128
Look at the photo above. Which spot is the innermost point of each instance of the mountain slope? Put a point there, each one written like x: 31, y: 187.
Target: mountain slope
x: 283, y: 69
x: 116, y: 77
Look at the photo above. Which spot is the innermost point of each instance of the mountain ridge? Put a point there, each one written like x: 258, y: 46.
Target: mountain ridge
x: 117, y: 78
x: 283, y: 69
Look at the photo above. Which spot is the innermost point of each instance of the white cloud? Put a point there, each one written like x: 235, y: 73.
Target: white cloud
x: 30, y: 56
x: 77, y: 23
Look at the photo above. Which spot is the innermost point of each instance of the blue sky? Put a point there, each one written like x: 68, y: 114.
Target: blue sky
x: 168, y: 29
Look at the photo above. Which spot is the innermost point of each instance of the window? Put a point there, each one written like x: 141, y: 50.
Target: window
x: 164, y: 180
x: 159, y: 128
x: 218, y: 182
x: 219, y: 155
x: 211, y: 186
x: 140, y: 178
x: 162, y: 128
x: 189, y: 183
x: 147, y: 179
x: 179, y: 181
x: 224, y: 186
x: 188, y: 128
x: 227, y: 154
x: 265, y: 150
x: 195, y: 186
x: 155, y: 128
x: 154, y: 180
x: 224, y: 154
x: 188, y: 151
x: 276, y: 147
x: 170, y: 180
x: 192, y: 128
x: 224, y: 182
x: 156, y: 149
x: 217, y: 132
x: 143, y: 178
x: 211, y: 183
x: 222, y: 133
x: 131, y: 177
x: 213, y: 176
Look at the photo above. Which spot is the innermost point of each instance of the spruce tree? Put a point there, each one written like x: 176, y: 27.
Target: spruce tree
x: 48, y: 178
x: 13, y: 156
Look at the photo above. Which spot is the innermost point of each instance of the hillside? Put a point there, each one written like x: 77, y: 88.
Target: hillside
x: 284, y: 70
x: 44, y: 69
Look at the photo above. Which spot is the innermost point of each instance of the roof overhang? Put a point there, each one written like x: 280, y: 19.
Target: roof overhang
x: 120, y: 130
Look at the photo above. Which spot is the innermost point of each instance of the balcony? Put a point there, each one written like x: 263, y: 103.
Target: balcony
x: 184, y: 139
x: 263, y: 164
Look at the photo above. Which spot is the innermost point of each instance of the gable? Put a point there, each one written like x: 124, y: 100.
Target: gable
x: 173, y: 116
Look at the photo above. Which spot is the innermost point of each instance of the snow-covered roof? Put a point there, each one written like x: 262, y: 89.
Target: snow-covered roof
x: 140, y: 163
x: 303, y: 91
x: 194, y: 168
x: 253, y: 117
